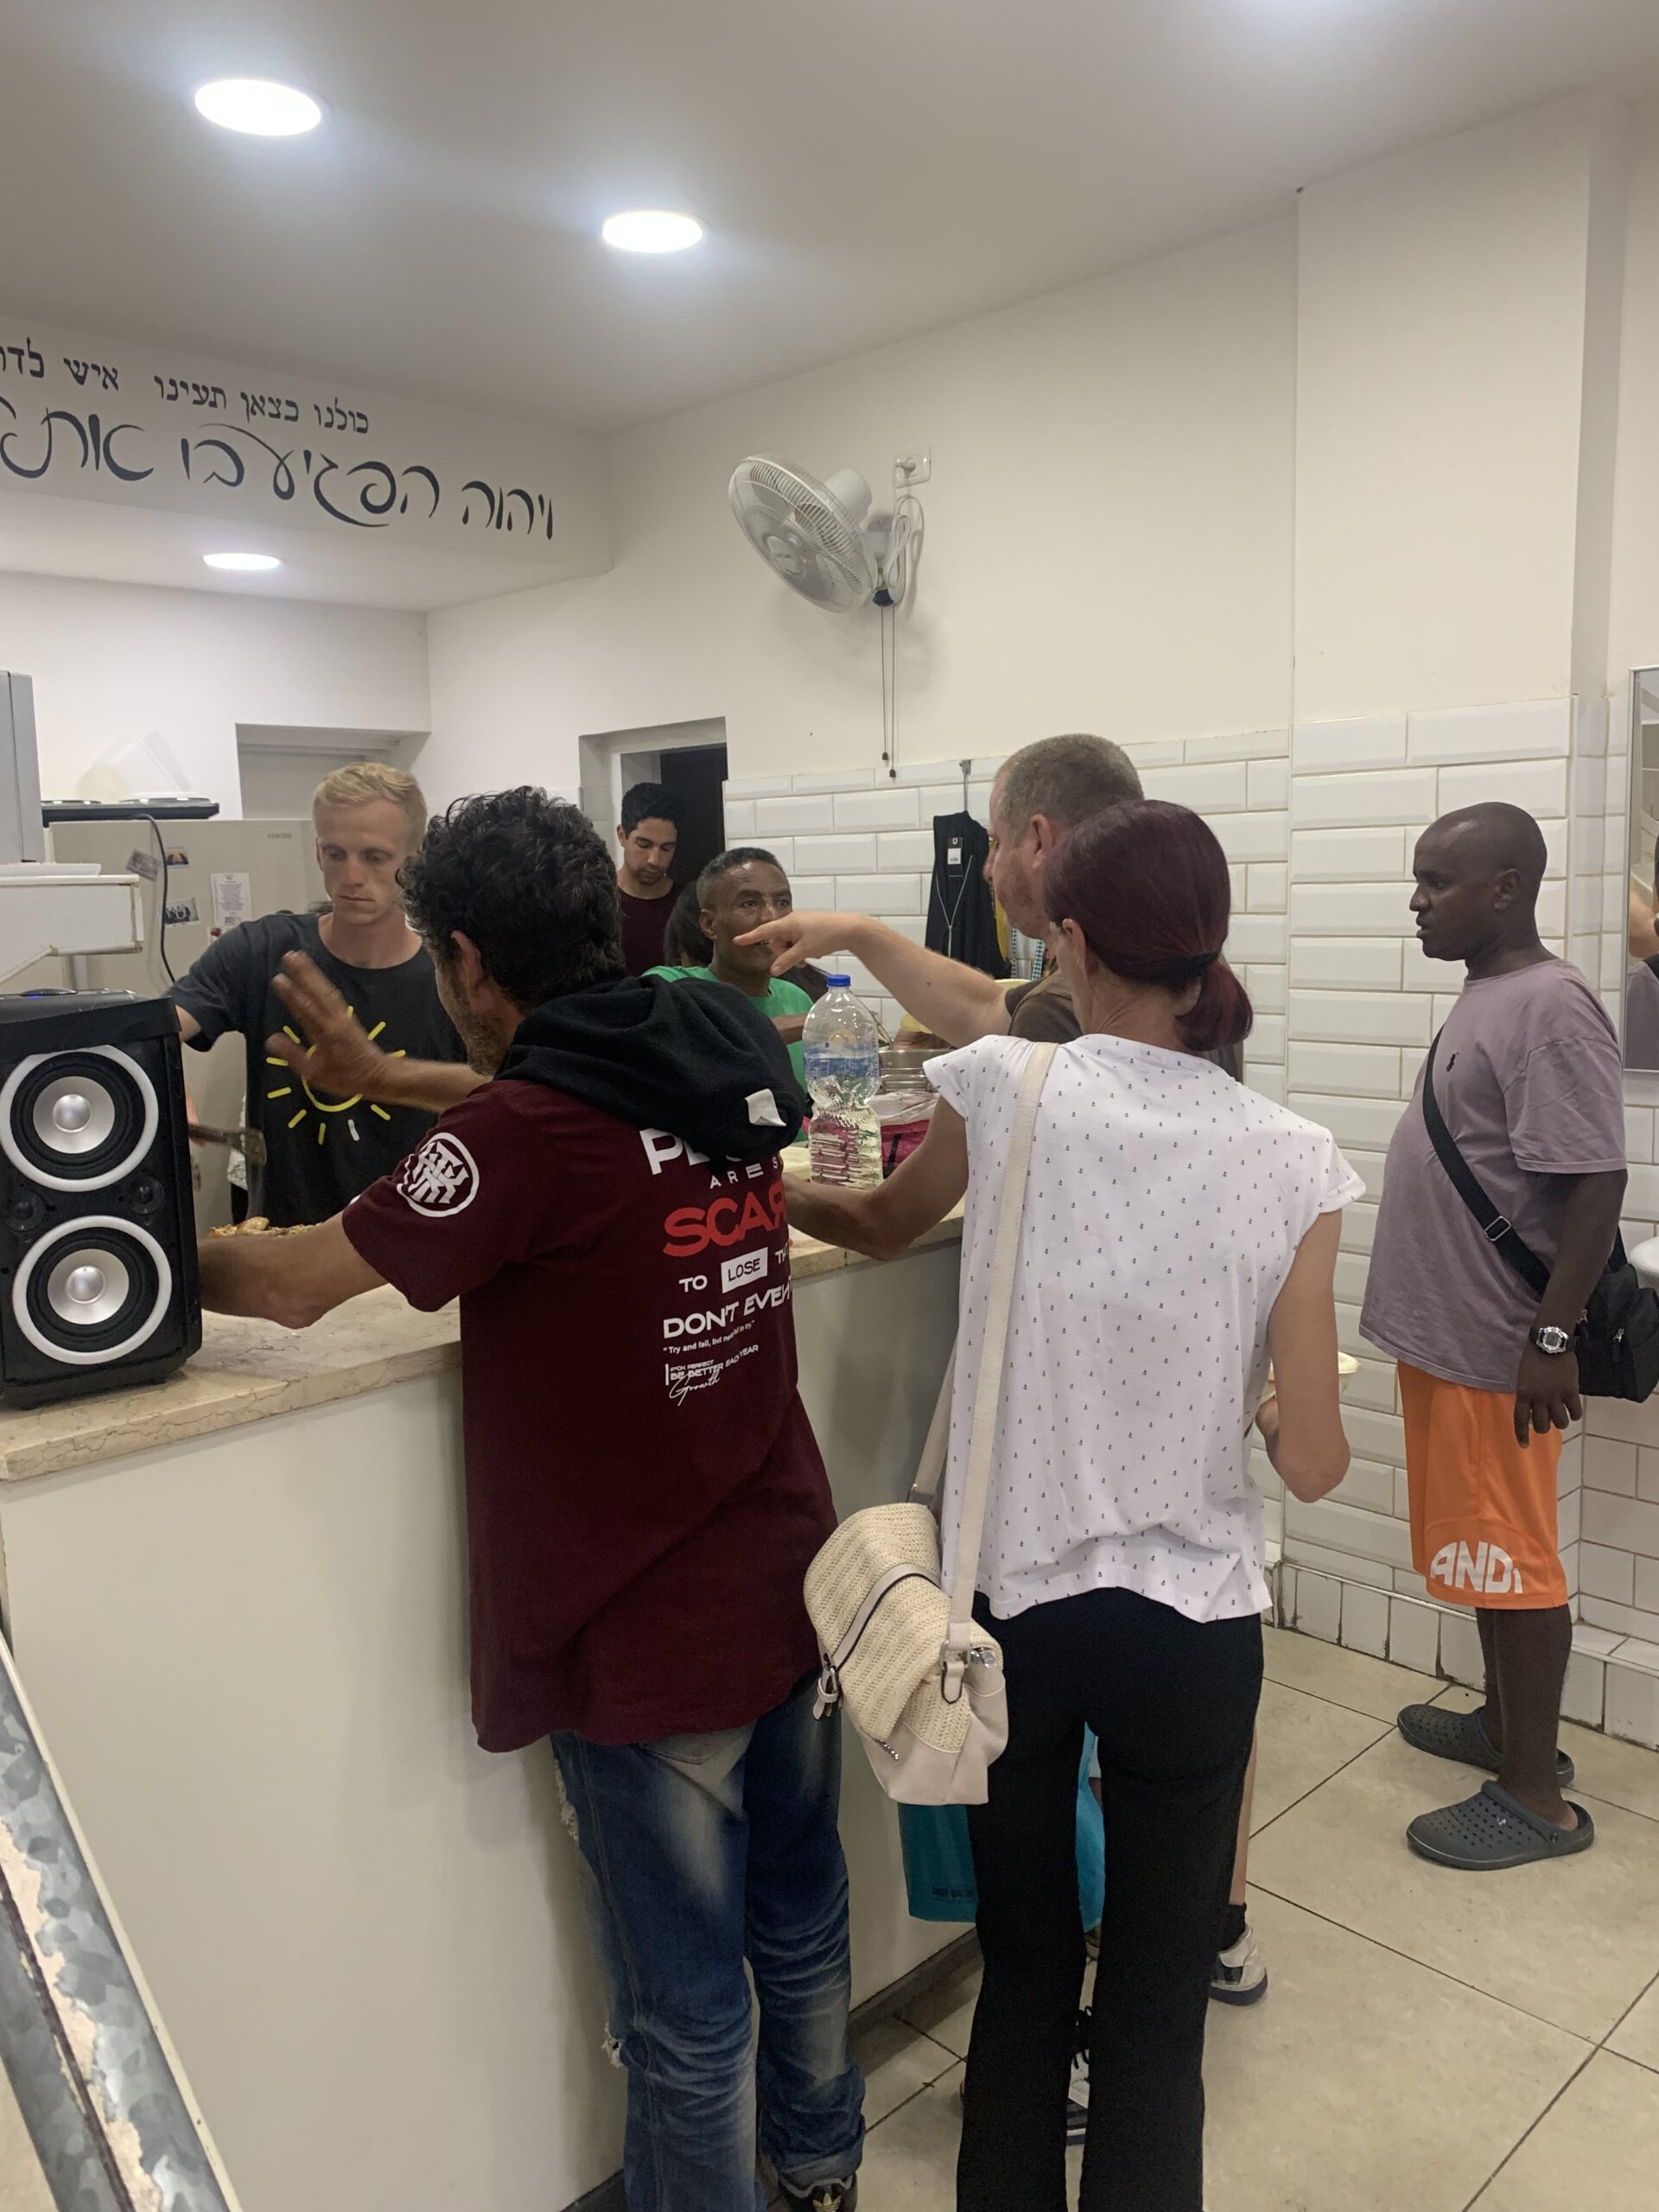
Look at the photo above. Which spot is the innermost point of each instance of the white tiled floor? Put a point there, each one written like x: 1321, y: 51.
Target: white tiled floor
x: 1433, y: 2041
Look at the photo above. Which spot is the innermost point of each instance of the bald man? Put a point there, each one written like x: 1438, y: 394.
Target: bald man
x: 1526, y: 1074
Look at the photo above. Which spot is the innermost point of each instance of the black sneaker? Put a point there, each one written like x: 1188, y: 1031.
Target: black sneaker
x: 824, y: 2196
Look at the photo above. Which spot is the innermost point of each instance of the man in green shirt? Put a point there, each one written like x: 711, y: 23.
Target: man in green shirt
x: 741, y: 890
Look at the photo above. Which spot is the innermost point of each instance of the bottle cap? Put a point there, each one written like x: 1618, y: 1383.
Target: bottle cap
x: 839, y: 983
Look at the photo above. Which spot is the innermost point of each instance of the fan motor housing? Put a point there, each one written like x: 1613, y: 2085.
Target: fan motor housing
x: 810, y: 534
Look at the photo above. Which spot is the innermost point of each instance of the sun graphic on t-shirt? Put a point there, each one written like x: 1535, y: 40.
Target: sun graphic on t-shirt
x: 325, y: 1106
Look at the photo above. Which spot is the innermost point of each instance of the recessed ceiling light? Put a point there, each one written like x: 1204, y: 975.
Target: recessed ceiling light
x: 652, y: 230
x: 243, y: 564
x: 253, y: 103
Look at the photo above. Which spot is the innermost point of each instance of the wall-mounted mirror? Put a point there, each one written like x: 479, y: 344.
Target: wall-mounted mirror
x: 1642, y: 978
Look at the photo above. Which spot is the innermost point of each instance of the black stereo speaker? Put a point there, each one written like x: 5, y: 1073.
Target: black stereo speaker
x: 99, y: 1286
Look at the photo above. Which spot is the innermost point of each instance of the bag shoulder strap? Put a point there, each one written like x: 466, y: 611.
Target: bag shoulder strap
x: 988, y: 1384
x: 1494, y: 1226
x: 929, y: 1468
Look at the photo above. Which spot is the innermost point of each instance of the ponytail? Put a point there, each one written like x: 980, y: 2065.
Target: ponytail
x: 1223, y: 1015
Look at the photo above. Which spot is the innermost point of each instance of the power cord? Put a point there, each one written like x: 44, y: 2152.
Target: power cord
x: 888, y: 644
x: 166, y: 884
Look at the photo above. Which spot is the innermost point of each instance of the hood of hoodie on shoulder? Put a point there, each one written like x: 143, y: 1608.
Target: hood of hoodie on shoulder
x: 696, y: 1058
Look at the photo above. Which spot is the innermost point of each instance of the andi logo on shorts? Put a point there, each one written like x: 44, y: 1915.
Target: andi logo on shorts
x: 1488, y: 1571
x: 439, y: 1179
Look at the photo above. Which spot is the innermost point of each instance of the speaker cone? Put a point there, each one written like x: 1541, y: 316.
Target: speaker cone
x: 77, y: 1120
x: 91, y: 1291
x: 72, y: 1115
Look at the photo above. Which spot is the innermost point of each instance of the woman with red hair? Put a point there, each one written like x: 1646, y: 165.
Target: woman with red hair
x: 1179, y: 1232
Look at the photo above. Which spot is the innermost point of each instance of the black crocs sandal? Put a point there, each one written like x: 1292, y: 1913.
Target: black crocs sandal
x: 1448, y: 1734
x: 1492, y: 1830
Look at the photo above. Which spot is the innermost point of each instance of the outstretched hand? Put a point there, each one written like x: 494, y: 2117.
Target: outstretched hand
x: 333, y: 1053
x: 795, y: 937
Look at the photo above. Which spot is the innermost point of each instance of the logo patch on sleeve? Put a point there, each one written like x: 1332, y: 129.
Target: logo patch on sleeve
x: 439, y: 1179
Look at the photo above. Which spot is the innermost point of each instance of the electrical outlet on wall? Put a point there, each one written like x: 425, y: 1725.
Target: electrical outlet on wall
x: 910, y: 469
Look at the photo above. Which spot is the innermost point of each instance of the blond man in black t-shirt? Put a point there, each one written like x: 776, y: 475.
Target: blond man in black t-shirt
x: 322, y: 1148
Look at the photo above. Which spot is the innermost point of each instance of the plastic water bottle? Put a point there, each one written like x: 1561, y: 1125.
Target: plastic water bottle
x: 843, y: 1053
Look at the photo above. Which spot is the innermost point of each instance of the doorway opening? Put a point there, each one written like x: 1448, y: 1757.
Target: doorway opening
x: 280, y: 766
x: 695, y: 774
x: 689, y: 758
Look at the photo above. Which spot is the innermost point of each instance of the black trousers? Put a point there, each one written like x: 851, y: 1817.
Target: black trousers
x: 1173, y: 1703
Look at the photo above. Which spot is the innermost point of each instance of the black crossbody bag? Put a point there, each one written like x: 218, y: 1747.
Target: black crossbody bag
x: 1618, y: 1340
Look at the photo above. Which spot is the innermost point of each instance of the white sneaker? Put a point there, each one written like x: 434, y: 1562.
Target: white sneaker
x: 1076, y: 2102
x: 1239, y: 1977
x: 1077, y: 2097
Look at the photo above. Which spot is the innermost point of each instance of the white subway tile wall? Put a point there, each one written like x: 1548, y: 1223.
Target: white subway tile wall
x: 1322, y: 749
x: 1265, y: 887
x: 861, y: 841
x: 1342, y: 801
x: 1349, y: 856
x: 903, y: 848
x: 835, y: 856
x: 1539, y: 786
x: 757, y: 786
x: 1215, y: 786
x: 882, y: 894
x: 1363, y: 1003
x: 1318, y: 824
x: 1345, y: 963
x: 776, y: 817
x: 895, y: 809
x: 1268, y: 784
x: 844, y: 779
x: 1541, y: 729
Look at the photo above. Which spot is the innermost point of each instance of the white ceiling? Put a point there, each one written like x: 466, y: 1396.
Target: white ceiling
x: 866, y: 168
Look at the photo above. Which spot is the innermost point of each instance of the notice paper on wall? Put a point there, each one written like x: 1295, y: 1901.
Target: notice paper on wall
x: 233, y: 900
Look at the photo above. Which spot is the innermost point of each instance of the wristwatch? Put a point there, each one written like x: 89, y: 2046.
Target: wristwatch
x: 1552, y: 1340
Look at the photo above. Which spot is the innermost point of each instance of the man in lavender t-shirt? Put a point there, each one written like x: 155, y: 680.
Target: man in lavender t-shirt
x: 1526, y: 1075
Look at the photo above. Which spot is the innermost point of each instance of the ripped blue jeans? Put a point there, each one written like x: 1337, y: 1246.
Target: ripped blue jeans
x: 705, y: 1852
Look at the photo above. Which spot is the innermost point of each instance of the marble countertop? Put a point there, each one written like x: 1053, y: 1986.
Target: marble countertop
x: 248, y: 1371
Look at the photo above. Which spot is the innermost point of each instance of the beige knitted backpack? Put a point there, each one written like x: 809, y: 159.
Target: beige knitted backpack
x: 921, y: 1682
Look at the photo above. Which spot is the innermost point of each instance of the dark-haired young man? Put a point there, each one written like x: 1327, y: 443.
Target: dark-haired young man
x: 649, y: 834
x: 642, y: 1607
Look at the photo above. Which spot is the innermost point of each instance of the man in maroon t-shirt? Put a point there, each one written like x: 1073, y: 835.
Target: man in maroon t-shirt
x: 609, y: 1208
x: 649, y: 834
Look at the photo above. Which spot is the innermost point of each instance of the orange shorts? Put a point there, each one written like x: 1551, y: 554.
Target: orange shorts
x: 1483, y: 1507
